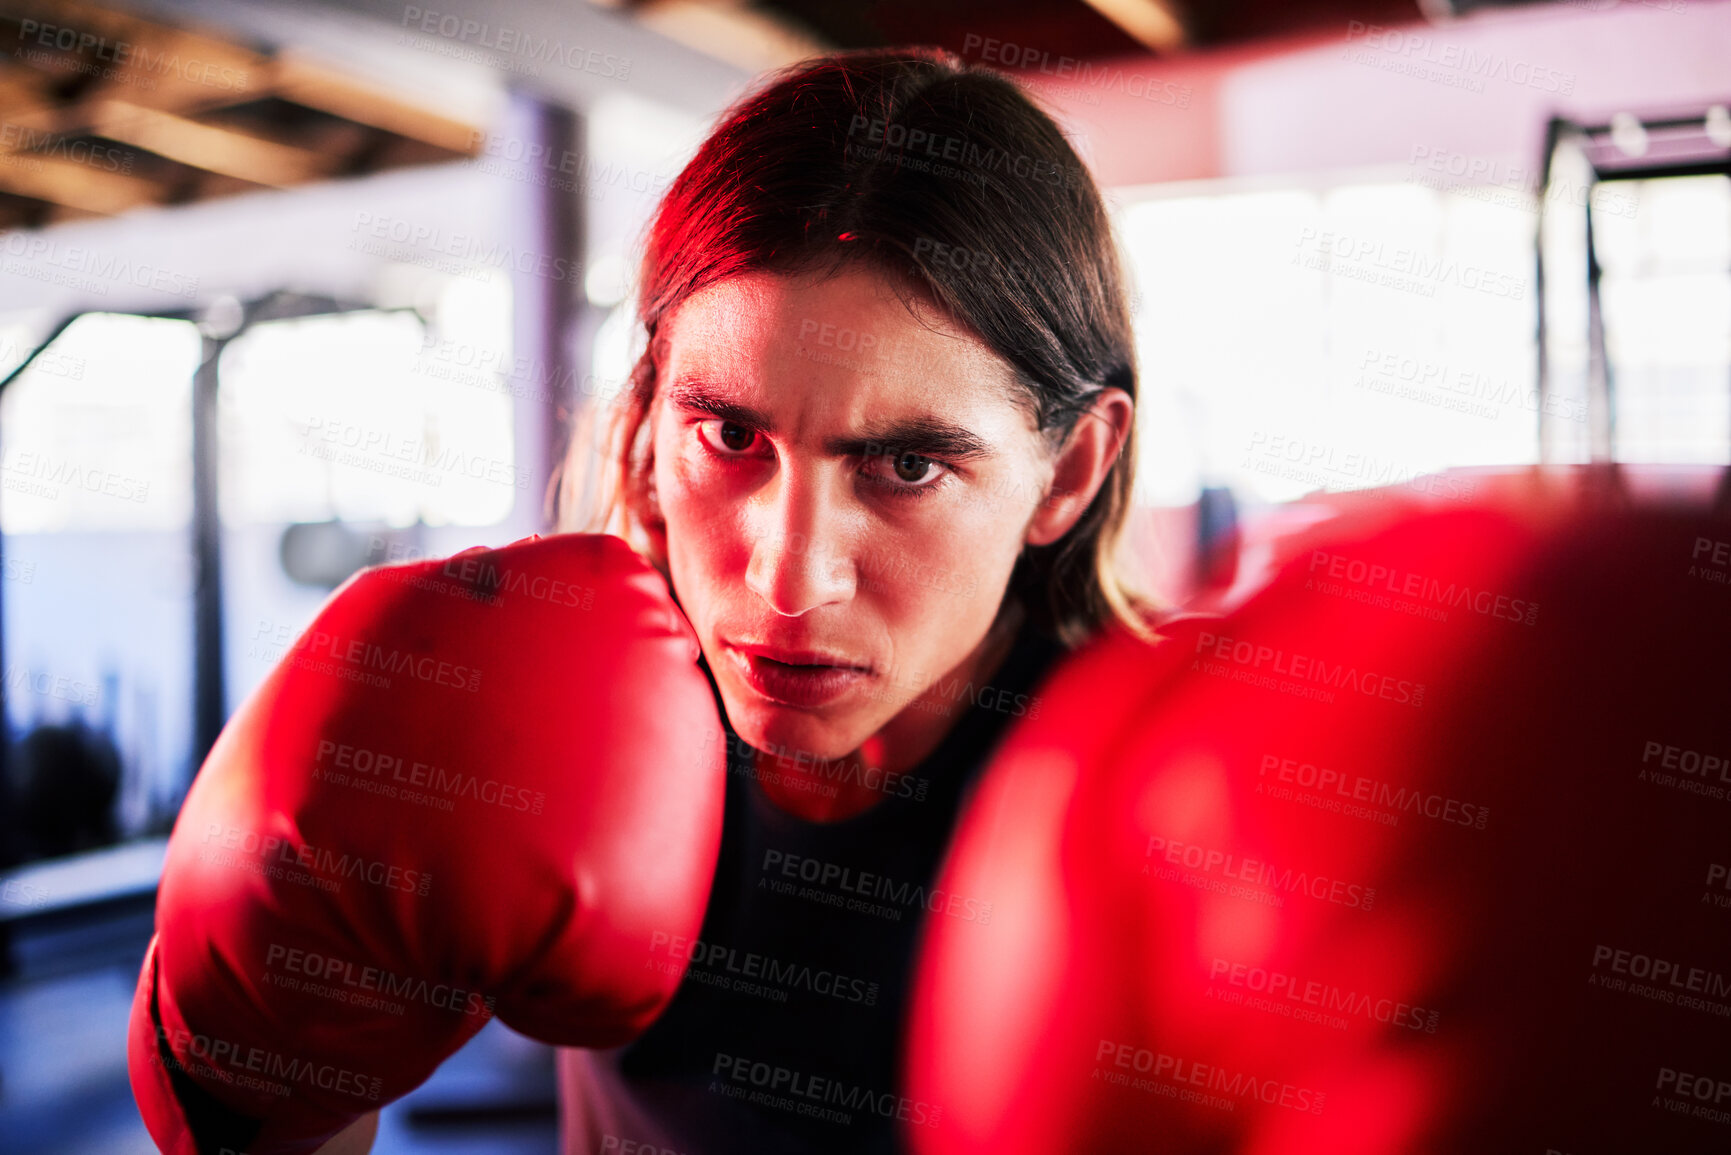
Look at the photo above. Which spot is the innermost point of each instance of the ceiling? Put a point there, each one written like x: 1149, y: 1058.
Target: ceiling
x: 103, y: 111
x: 104, y: 108
x: 1081, y: 29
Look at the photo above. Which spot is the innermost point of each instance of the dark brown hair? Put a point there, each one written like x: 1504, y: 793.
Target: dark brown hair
x: 950, y: 181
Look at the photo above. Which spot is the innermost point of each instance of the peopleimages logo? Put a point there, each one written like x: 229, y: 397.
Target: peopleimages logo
x: 1424, y: 57
x: 464, y: 254
x: 1335, y: 786
x: 1087, y: 74
x: 226, y: 842
x: 887, y: 138
x: 1392, y: 580
x: 1374, y: 260
x: 38, y: 145
x: 509, y: 42
x: 751, y: 973
x: 425, y: 460
x: 1458, y: 388
x: 80, y: 267
x: 120, y: 60
x: 1255, y: 658
x: 244, y: 1065
x: 1327, y: 466
x: 395, y: 775
x: 815, y: 1095
x: 835, y: 885
x: 1296, y: 995
x: 363, y: 986
x: 1207, y: 1084
x: 53, y: 473
x: 1269, y: 879
x: 362, y: 655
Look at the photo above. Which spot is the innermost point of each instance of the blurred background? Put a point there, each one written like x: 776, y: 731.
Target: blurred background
x: 289, y: 288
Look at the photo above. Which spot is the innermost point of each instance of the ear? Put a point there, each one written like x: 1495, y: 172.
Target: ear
x: 1083, y: 465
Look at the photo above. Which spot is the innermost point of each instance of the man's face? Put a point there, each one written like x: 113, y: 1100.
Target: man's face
x: 846, y: 487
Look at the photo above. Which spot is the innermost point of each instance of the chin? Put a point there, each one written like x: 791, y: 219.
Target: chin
x: 768, y: 726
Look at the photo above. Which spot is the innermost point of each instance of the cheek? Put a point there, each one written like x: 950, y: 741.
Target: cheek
x: 946, y: 579
x: 675, y: 498
x: 685, y: 479
x: 987, y: 528
x: 702, y: 539
x: 680, y: 488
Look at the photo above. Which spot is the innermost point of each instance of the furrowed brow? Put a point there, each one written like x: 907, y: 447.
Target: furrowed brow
x: 926, y: 436
x: 705, y: 398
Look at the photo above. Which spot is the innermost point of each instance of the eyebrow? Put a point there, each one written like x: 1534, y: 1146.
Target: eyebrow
x: 925, y: 436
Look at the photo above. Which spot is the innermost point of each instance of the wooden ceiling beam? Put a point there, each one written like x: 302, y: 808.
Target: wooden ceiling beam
x: 312, y: 85
x: 729, y: 30
x: 1156, y: 24
x: 209, y: 147
x: 140, y: 62
x: 75, y: 185
x: 19, y: 88
x: 154, y: 87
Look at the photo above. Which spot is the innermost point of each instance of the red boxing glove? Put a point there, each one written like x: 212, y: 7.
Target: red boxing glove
x: 476, y: 786
x: 1420, y: 850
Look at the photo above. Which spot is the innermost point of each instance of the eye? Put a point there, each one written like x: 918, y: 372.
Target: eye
x: 906, y: 474
x: 726, y: 437
x: 912, y: 468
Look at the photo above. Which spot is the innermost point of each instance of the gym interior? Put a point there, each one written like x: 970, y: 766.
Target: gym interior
x: 290, y: 289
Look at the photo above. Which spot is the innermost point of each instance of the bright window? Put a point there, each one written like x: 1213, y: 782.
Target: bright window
x: 96, y: 434
x: 1666, y: 295
x: 1303, y: 339
x: 373, y: 417
x: 96, y: 509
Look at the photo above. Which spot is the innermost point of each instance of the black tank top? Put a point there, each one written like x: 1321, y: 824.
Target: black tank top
x: 784, y: 1035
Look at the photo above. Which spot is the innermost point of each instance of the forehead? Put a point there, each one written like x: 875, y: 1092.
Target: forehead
x: 844, y: 346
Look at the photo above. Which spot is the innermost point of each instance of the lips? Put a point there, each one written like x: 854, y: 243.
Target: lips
x: 800, y: 678
x: 795, y: 657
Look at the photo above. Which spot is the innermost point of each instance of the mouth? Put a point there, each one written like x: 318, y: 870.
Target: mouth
x: 803, y: 679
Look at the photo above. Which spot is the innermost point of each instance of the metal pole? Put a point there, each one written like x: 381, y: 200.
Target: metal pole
x: 209, y: 706
x: 1601, y: 413
x: 1547, y: 430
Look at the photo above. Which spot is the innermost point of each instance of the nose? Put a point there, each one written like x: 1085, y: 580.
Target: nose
x: 798, y: 556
